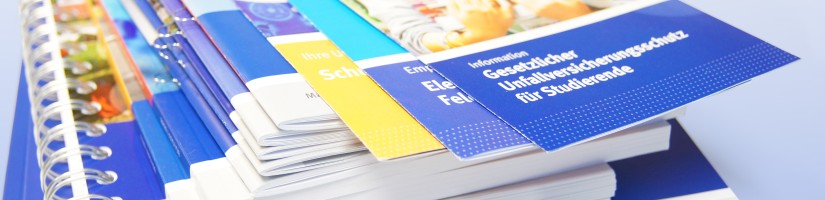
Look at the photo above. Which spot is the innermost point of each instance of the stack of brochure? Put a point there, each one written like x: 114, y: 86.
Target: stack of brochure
x: 370, y: 99
x: 441, y: 175
x: 596, y: 182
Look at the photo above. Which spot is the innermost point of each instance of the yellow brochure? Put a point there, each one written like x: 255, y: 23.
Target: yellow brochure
x: 386, y: 129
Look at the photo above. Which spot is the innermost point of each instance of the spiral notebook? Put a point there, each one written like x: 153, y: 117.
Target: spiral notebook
x: 83, y: 129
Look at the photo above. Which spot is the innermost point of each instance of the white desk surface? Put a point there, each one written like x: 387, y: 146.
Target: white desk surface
x: 764, y: 137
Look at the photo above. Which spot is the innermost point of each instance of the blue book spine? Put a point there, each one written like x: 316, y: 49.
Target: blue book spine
x: 181, y: 61
x: 467, y: 129
x: 210, y: 88
x: 186, y: 56
x: 161, y: 150
x: 217, y: 67
x: 185, y: 129
x: 215, y: 70
x: 197, y: 100
x: 194, y: 88
x: 146, y: 7
x: 218, y: 74
x: 207, y: 85
x: 22, y: 173
x: 211, y: 85
x: 136, y: 177
x: 222, y: 85
x: 181, y: 122
x: 215, y: 176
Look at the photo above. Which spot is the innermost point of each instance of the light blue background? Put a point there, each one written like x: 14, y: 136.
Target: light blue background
x: 765, y: 138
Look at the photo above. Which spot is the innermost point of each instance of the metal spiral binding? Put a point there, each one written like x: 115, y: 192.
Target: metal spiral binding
x: 168, y: 47
x: 63, y: 180
x: 54, y: 112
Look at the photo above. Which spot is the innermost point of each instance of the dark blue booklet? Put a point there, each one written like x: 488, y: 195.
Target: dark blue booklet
x: 681, y: 171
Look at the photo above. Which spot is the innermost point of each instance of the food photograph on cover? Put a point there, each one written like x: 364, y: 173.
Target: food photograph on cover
x: 99, y: 96
x: 411, y: 99
x: 427, y: 26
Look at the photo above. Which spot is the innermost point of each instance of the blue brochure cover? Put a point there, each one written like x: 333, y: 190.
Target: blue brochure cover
x: 593, y: 70
x: 461, y: 124
x: 681, y: 170
x: 242, y: 45
x: 283, y: 93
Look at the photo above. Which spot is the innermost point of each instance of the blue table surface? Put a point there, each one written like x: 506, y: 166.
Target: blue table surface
x: 762, y: 137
